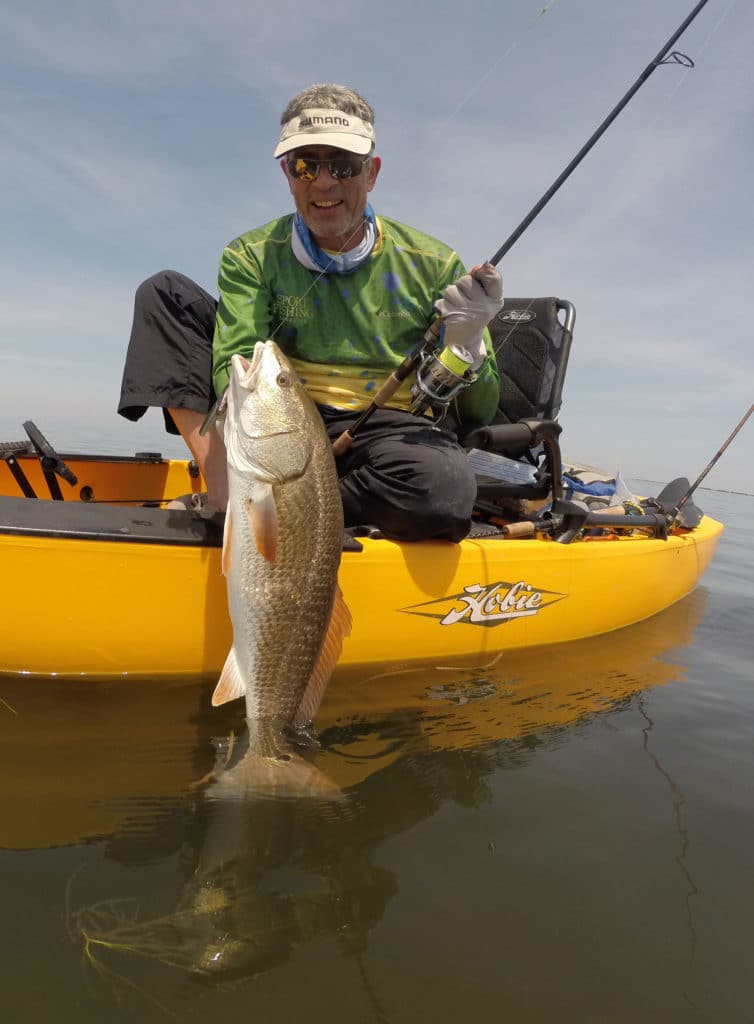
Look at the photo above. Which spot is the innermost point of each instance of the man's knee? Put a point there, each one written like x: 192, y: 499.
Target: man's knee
x: 165, y: 283
x: 435, y: 501
x: 444, y: 509
x: 172, y: 301
x: 447, y: 476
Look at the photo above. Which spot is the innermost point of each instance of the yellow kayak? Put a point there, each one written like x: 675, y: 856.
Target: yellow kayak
x: 107, y: 583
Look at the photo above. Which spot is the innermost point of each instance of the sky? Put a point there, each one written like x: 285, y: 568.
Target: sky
x: 137, y: 136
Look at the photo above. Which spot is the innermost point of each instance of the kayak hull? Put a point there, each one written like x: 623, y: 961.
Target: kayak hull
x: 98, y: 591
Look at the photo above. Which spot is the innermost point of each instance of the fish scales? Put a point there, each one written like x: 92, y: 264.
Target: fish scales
x: 284, y: 531
x: 280, y: 609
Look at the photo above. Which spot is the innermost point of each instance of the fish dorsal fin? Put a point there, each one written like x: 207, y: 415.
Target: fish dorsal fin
x: 230, y: 685
x: 227, y: 533
x: 263, y: 520
x: 338, y: 628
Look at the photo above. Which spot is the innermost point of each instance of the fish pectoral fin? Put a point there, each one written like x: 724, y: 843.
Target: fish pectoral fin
x: 230, y: 685
x: 338, y: 629
x: 263, y: 520
x: 225, y: 562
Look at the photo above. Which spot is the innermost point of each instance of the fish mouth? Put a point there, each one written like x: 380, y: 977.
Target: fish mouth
x: 248, y: 370
x: 257, y: 354
x: 256, y: 361
x: 261, y: 348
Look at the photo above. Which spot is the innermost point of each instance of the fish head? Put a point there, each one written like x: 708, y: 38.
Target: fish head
x: 269, y: 419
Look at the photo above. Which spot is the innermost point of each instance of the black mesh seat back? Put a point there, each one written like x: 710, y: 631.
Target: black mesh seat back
x: 531, y: 346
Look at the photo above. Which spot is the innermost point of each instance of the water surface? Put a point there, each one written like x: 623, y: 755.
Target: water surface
x: 566, y: 835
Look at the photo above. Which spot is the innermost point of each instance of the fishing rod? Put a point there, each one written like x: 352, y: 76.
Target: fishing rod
x: 676, y: 510
x: 451, y: 382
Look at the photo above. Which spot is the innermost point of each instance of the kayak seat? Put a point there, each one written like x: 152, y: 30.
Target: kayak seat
x: 532, y: 340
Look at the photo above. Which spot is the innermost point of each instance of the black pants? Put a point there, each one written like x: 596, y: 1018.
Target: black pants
x: 169, y: 358
x: 401, y: 474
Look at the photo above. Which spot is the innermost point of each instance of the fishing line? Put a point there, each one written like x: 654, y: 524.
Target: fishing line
x: 680, y: 807
x: 7, y: 706
x: 657, y: 111
x: 473, y: 91
x: 299, y: 300
x: 496, y: 64
x: 413, y: 359
x: 426, y: 351
x: 700, y: 50
x: 493, y: 67
x: 297, y: 303
x: 674, y: 57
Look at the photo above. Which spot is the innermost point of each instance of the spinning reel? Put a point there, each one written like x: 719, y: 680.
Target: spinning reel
x: 440, y: 377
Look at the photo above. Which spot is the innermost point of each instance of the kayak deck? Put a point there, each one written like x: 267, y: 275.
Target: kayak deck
x: 101, y: 588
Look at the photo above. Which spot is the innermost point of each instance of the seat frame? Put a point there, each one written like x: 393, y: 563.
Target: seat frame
x: 539, y: 339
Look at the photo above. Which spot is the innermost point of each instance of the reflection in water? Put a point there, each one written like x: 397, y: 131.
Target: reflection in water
x: 262, y: 875
x: 679, y: 817
x: 525, y: 698
x: 268, y: 874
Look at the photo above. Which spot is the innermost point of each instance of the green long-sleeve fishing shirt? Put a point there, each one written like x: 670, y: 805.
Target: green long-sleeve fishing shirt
x: 344, y: 333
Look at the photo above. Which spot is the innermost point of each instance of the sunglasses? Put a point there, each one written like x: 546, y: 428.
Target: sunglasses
x: 340, y: 167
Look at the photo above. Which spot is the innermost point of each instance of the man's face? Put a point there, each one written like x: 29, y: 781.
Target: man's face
x: 332, y: 209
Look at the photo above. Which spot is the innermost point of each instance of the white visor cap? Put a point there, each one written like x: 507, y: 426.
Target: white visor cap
x: 323, y: 127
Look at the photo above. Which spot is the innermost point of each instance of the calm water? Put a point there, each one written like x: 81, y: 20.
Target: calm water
x: 567, y: 836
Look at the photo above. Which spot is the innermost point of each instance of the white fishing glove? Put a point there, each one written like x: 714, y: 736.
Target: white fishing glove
x: 467, y: 306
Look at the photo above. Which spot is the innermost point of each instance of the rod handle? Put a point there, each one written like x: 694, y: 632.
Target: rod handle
x: 523, y: 529
x: 342, y: 444
x: 386, y: 391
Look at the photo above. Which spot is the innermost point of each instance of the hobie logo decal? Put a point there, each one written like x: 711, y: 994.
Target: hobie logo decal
x: 516, y: 316
x: 488, y: 605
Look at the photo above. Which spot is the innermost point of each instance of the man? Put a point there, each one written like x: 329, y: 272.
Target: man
x: 346, y: 294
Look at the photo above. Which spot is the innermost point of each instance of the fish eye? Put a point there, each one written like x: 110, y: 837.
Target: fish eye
x: 284, y: 379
